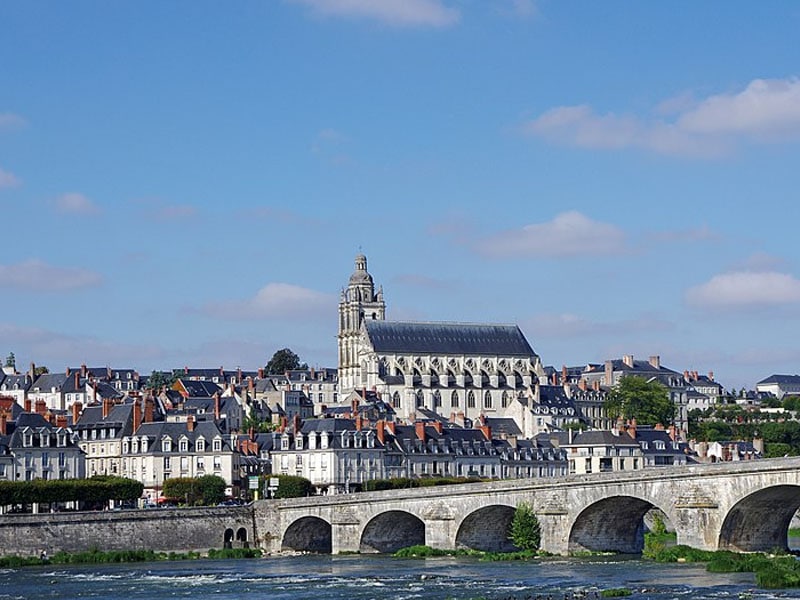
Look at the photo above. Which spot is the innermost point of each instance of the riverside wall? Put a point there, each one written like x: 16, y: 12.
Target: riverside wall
x: 161, y: 530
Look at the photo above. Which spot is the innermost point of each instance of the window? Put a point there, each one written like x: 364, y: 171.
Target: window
x: 45, y: 460
x: 166, y: 445
x: 184, y: 463
x: 437, y: 399
x: 420, y: 399
x: 167, y: 465
x: 396, y: 400
x: 200, y: 445
x: 471, y: 399
x: 454, y: 400
x: 217, y: 445
x: 217, y: 463
x: 62, y: 459
x: 504, y: 399
x: 200, y: 465
x: 183, y: 445
x: 487, y: 399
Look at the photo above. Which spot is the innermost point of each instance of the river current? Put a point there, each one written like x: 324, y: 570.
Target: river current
x: 379, y: 577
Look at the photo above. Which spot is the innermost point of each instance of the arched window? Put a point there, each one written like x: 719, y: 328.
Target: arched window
x: 487, y: 399
x: 420, y: 399
x: 454, y: 399
x: 437, y: 399
x: 504, y: 399
x: 396, y: 400
x: 471, y: 399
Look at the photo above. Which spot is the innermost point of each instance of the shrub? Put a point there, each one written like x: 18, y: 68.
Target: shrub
x: 292, y: 486
x: 525, y: 531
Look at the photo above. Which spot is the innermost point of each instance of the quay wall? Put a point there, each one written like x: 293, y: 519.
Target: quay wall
x: 161, y: 530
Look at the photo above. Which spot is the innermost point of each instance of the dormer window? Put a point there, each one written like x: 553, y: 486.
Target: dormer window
x: 183, y: 445
x: 324, y: 440
x: 217, y: 445
x: 298, y: 442
x: 144, y: 444
x: 44, y: 439
x: 200, y: 445
x: 659, y: 444
x: 285, y: 443
x: 166, y: 445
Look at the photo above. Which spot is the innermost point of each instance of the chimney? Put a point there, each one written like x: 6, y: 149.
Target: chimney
x: 41, y: 407
x: 239, y: 375
x: 27, y: 405
x: 252, y: 433
x: 487, y: 431
x: 554, y: 379
x: 149, y: 409
x: 61, y: 421
x: 655, y: 361
x: 77, y: 381
x: 67, y: 372
x: 106, y: 407
x: 381, y: 427
x: 628, y: 360
x: 76, y: 412
x: 83, y: 370
x: 711, y: 375
x: 390, y: 427
x: 261, y: 373
x: 609, y: 376
x: 137, y: 414
x: 354, y: 408
x: 3, y: 421
x: 419, y: 427
x: 33, y: 370
x: 582, y: 384
x: 358, y: 423
x: 94, y: 394
x: 686, y: 375
x: 284, y: 423
x: 563, y: 373
x: 596, y: 385
x: 190, y: 423
x: 437, y: 425
x: 251, y: 386
x: 632, y: 428
x: 296, y: 424
x: 216, y: 406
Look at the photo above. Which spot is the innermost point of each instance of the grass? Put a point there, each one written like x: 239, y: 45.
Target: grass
x: 615, y: 593
x: 96, y: 556
x: 771, y: 571
x: 421, y: 551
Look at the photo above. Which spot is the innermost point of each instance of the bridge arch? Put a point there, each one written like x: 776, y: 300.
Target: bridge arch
x: 308, y: 534
x: 613, y: 524
x: 760, y: 521
x: 389, y: 531
x: 487, y: 529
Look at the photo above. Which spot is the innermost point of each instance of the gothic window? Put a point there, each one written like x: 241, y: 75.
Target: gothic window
x: 487, y: 399
x: 504, y: 399
x: 437, y: 399
x: 420, y: 399
x: 471, y: 399
x: 454, y: 399
x: 396, y: 400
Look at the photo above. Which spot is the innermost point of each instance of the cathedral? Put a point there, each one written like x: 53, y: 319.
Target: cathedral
x: 466, y: 369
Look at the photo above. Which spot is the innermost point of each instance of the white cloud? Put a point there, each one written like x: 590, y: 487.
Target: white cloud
x: 35, y: 275
x: 75, y: 203
x: 275, y: 300
x: 400, y: 13
x: 766, y: 108
x: 742, y: 290
x: 8, y: 179
x: 518, y: 8
x: 11, y: 121
x: 569, y: 234
x: 765, y: 111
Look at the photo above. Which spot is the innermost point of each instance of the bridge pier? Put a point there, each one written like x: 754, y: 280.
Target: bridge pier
x: 553, y: 526
x: 697, y: 521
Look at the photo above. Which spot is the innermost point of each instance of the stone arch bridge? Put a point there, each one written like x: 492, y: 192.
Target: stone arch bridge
x: 745, y: 506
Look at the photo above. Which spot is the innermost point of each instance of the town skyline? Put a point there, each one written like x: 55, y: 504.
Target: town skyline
x: 190, y: 188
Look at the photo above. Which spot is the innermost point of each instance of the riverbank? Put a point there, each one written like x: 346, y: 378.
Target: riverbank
x: 96, y: 557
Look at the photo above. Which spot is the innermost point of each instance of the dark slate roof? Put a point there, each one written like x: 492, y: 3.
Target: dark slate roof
x: 48, y: 381
x: 199, y: 388
x: 92, y: 416
x: 787, y: 379
x: 601, y: 438
x: 157, y: 431
x: 503, y: 425
x: 448, y: 338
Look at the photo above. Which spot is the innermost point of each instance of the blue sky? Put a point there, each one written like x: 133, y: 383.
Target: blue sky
x: 188, y: 183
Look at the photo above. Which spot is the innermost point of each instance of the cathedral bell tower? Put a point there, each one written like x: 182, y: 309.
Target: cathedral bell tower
x: 358, y: 303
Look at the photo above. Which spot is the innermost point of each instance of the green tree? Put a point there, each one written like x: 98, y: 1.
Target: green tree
x: 292, y: 486
x: 525, y: 532
x: 41, y: 370
x: 638, y: 398
x: 11, y: 360
x: 159, y: 379
x: 211, y: 489
x: 182, y: 489
x: 258, y: 425
x: 284, y: 360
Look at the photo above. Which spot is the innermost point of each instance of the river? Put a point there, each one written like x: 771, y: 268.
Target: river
x: 378, y: 577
